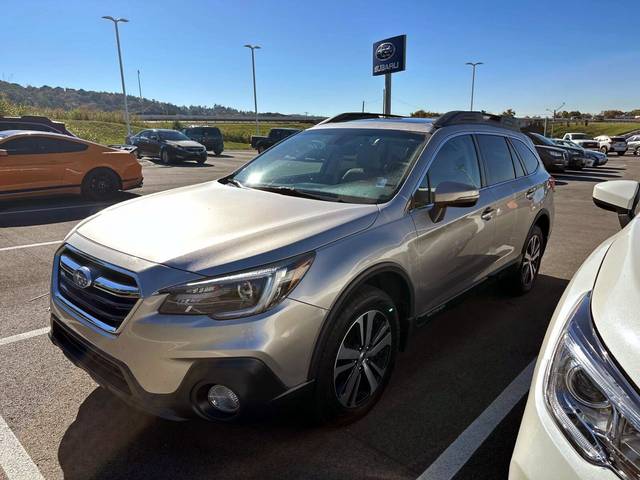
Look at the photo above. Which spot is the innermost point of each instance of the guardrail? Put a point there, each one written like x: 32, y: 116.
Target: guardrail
x: 227, y: 119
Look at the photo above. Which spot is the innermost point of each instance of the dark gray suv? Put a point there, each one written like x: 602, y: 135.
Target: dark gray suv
x: 303, y: 272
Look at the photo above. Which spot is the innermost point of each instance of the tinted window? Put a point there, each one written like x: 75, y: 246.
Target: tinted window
x: 41, y: 145
x: 497, y: 158
x: 211, y: 131
x: 455, y: 162
x: 143, y: 134
x: 20, y: 146
x: 529, y: 159
x: 172, y: 135
x: 56, y: 145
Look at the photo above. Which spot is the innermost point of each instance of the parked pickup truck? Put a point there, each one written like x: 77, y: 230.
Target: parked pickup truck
x: 583, y: 140
x: 275, y: 135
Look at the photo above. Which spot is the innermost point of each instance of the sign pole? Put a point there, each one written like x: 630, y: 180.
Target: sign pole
x: 387, y: 94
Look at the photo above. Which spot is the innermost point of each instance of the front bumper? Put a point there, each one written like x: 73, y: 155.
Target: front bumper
x: 186, y: 155
x: 159, y: 362
x: 254, y: 383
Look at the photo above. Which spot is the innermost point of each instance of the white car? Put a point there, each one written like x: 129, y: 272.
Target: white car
x: 582, y: 139
x: 612, y: 144
x: 582, y: 419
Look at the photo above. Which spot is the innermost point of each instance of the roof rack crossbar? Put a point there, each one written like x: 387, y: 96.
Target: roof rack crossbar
x: 460, y: 117
x: 349, y: 116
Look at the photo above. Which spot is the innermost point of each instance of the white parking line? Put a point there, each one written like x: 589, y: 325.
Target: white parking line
x: 23, y: 336
x: 49, y: 209
x: 31, y: 245
x: 462, y: 449
x: 14, y: 459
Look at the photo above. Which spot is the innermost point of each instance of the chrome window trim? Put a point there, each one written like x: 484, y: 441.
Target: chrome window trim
x: 77, y: 312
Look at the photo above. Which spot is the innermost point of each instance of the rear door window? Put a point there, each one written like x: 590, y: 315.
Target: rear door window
x: 497, y: 159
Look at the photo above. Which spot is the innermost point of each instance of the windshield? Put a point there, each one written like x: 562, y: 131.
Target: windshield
x: 544, y: 139
x: 351, y: 165
x: 172, y: 135
x: 579, y: 136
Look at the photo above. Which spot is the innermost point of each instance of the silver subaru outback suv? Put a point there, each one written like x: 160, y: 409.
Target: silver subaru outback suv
x: 303, y: 273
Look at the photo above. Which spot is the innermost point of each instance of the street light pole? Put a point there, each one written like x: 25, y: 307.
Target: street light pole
x: 124, y: 90
x: 253, y: 67
x: 473, y: 79
x: 553, y: 118
x: 139, y: 89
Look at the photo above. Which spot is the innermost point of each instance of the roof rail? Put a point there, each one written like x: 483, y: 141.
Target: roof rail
x: 461, y: 117
x: 349, y: 116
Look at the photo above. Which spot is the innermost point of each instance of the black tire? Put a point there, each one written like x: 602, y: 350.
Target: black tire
x: 604, y: 150
x: 338, y: 369
x: 165, y: 156
x: 139, y: 155
x: 621, y: 154
x: 201, y: 160
x: 636, y: 151
x: 217, y: 153
x: 100, y: 184
x: 260, y: 149
x: 522, y: 278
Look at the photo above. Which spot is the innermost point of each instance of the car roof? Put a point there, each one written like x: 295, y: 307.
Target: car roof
x: 424, y: 125
x: 11, y: 133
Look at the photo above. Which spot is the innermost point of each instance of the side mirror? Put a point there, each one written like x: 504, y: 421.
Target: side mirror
x: 3, y: 153
x: 452, y: 194
x: 620, y: 196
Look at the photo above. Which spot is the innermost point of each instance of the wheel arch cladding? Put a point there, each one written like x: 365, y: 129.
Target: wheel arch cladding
x: 544, y: 222
x: 391, y: 279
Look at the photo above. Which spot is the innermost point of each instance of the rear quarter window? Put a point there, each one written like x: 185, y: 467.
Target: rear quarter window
x: 497, y: 158
x: 529, y: 158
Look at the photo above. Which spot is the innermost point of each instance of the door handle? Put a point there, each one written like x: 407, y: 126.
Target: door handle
x: 530, y: 193
x: 488, y: 214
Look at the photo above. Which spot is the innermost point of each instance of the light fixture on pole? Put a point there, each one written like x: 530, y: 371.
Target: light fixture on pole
x: 473, y: 79
x: 253, y: 67
x: 553, y: 118
x: 124, y: 90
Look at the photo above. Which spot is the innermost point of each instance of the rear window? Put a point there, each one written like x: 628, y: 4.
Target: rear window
x: 211, y: 131
x: 618, y: 139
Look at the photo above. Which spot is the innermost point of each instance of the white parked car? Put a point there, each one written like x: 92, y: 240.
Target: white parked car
x: 582, y: 139
x: 612, y: 144
x: 582, y: 419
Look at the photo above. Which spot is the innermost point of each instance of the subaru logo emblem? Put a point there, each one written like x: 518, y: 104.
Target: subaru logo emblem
x: 82, y: 277
x: 385, y: 51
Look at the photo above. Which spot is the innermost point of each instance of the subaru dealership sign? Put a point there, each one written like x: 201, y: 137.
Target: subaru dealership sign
x: 389, y: 55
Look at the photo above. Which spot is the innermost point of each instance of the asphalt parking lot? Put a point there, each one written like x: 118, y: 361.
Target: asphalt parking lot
x: 469, y: 362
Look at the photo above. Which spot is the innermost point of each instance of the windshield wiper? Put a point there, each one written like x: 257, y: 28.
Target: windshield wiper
x: 294, y: 192
x: 234, y: 182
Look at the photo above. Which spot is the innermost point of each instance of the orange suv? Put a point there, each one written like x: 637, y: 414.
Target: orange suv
x: 41, y: 163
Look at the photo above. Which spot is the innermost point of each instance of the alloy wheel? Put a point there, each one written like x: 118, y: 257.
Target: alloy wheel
x: 531, y: 260
x: 362, y: 359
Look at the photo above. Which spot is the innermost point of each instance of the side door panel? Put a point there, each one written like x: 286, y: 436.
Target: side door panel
x: 452, y: 252
x: 28, y: 166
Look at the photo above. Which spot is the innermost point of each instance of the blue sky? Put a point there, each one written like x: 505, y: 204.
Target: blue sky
x: 316, y: 56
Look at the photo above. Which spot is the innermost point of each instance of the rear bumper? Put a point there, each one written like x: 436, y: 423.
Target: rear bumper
x: 255, y: 384
x: 132, y: 183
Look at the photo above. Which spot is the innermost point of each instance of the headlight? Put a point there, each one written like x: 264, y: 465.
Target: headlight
x: 237, y: 295
x: 553, y: 153
x: 593, y: 403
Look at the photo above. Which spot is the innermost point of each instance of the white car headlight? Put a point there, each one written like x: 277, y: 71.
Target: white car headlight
x: 592, y: 401
x: 553, y: 153
x: 237, y: 295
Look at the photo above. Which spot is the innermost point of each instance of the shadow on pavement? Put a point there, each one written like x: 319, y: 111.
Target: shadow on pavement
x: 46, y: 211
x: 454, y: 367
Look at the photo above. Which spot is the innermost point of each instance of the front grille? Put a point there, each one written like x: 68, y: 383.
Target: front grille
x: 108, y: 298
x: 194, y: 149
x: 89, y: 359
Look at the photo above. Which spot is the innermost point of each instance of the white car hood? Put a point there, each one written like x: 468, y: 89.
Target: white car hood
x: 202, y: 227
x: 616, y: 300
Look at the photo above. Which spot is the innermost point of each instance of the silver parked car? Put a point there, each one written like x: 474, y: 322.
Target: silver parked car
x: 304, y: 272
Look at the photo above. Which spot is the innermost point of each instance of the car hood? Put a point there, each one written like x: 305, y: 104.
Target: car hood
x: 616, y: 300
x: 212, y: 228
x: 183, y: 143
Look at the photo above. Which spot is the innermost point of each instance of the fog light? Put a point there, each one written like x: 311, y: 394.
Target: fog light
x: 223, y: 399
